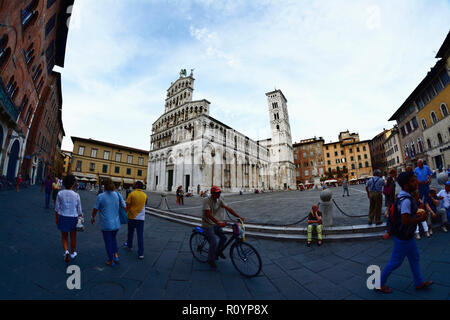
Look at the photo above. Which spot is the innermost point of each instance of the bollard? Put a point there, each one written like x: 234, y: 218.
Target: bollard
x: 442, y: 178
x: 163, y: 205
x: 326, y: 206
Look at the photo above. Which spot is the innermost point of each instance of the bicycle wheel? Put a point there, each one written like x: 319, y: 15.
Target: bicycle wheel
x: 245, y: 259
x: 199, y: 246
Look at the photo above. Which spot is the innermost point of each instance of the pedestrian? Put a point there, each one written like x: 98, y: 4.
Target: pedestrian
x: 389, y: 199
x: 444, y: 196
x: 135, y: 206
x: 67, y: 210
x: 198, y: 189
x: 374, y: 188
x: 431, y: 205
x: 107, y: 205
x: 345, y: 186
x: 406, y: 218
x: 424, y: 174
x: 420, y: 206
x: 55, y: 189
x: 19, y: 181
x: 315, y: 222
x: 47, y: 187
x: 180, y: 196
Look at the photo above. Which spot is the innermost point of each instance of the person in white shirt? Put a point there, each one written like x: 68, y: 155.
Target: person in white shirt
x: 444, y: 197
x: 68, y: 208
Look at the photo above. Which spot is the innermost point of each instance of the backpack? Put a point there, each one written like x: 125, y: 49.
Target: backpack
x: 397, y: 228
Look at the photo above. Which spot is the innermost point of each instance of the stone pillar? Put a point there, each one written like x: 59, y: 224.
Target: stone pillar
x: 163, y: 202
x: 326, y: 207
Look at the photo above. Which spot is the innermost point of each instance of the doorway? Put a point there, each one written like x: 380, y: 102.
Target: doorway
x: 438, y: 162
x: 12, y: 163
x: 188, y: 183
x: 170, y: 180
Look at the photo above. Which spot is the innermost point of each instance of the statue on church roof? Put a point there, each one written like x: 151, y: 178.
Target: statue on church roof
x: 183, y: 72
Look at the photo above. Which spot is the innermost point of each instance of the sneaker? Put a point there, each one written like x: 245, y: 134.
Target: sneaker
x: 427, y: 234
x: 444, y: 229
x: 424, y: 285
x: 384, y: 289
x: 110, y: 263
x: 66, y: 256
x: 141, y: 257
x: 73, y: 255
x: 116, y: 258
x: 417, y: 236
x: 212, y: 264
x: 431, y: 231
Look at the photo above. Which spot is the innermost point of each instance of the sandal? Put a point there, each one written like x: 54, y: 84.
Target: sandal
x: 384, y: 289
x: 110, y: 263
x: 66, y: 256
x: 424, y: 285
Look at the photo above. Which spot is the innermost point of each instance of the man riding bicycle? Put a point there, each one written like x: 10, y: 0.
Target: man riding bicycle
x: 213, y: 221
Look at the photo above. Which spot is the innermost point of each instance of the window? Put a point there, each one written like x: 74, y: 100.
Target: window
x: 364, y: 148
x: 130, y: 159
x: 402, y: 130
x: 352, y: 158
x: 105, y: 168
x: 306, y: 172
x: 437, y: 85
x: 37, y: 73
x: 353, y: 166
x: 94, y: 153
x: 439, y: 138
x: 106, y: 155
x: 358, y: 150
x: 274, y: 105
x: 351, y: 150
x: 433, y: 117
x: 128, y: 171
x: 408, y: 127
x: 50, y: 25
x: 413, y: 150
x: 29, y: 14
x: 139, y: 173
x: 335, y: 153
x: 117, y: 170
x: 424, y: 123
x: 50, y: 56
x: 92, y: 167
x: 78, y: 167
x: 29, y: 55
x: 360, y: 165
x: 415, y: 125
x: 81, y: 151
x: 359, y: 157
x: 342, y: 152
x: 444, y: 110
x: 118, y: 157
x: 420, y: 145
x: 429, y: 143
x: 328, y: 154
x: 444, y: 77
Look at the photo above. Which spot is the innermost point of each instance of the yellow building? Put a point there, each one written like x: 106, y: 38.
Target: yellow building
x: 93, y: 160
x: 348, y: 157
x: 67, y: 157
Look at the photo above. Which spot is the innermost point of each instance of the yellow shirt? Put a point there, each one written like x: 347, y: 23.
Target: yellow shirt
x: 136, y: 204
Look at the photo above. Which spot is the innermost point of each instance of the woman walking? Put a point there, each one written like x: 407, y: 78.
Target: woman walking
x: 68, y: 208
x: 107, y: 204
x: 55, y: 189
x: 180, y: 196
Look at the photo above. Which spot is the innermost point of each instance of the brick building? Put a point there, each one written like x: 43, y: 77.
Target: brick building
x: 308, y: 159
x: 378, y: 151
x: 33, y: 36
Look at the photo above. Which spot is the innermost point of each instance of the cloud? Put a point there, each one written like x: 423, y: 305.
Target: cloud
x: 341, y: 64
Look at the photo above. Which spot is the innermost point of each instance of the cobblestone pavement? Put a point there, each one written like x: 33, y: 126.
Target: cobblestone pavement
x: 32, y: 264
x: 281, y: 208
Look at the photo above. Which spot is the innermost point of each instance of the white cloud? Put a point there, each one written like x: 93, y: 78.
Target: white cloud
x: 341, y: 64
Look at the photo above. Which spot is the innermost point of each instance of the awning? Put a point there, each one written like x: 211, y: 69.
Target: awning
x: 91, y: 176
x: 128, y: 181
x: 93, y: 180
x: 78, y: 174
x: 116, y: 179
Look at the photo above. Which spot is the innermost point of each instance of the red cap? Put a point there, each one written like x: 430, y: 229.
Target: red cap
x: 215, y: 189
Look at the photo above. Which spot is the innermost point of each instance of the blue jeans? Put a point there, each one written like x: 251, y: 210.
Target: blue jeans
x: 110, y: 243
x: 139, y: 226
x: 215, y: 249
x: 402, y: 249
x: 47, y: 199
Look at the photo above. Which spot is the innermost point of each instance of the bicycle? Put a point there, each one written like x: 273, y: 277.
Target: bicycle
x: 244, y: 256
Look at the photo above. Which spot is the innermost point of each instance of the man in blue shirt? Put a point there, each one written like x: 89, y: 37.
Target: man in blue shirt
x: 374, y: 187
x: 404, y: 242
x: 423, y: 173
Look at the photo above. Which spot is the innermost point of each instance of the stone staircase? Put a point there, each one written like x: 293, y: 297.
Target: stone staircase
x: 356, y: 232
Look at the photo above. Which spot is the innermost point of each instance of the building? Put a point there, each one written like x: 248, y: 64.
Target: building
x: 348, y: 157
x: 309, y: 160
x: 67, y: 160
x: 33, y: 36
x: 377, y: 150
x: 434, y: 106
x: 93, y: 160
x: 394, y: 155
x: 192, y: 149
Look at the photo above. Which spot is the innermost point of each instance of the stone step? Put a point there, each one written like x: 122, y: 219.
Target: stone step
x: 282, y: 233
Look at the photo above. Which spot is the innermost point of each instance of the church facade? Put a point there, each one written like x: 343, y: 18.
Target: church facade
x: 189, y: 148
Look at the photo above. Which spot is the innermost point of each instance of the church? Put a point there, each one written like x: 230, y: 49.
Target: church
x: 189, y: 148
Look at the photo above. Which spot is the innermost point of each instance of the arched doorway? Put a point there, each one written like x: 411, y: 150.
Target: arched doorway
x: 12, y: 163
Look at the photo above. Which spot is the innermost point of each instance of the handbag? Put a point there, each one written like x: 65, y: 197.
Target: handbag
x: 123, y: 216
x: 80, y: 223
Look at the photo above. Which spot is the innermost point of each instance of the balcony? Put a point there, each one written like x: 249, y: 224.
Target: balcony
x: 7, y: 106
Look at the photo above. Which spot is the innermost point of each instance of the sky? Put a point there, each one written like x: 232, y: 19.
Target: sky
x: 341, y: 64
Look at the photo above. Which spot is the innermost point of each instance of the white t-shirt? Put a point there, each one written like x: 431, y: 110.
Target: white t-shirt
x: 445, y: 203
